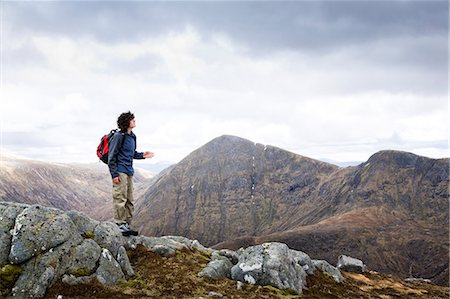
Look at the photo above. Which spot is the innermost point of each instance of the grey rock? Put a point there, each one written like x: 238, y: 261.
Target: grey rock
x: 270, y: 264
x: 73, y: 280
x: 350, y: 264
x: 8, y: 214
x: 180, y: 242
x: 215, y: 294
x: 163, y: 250
x: 108, y: 235
x: 249, y: 268
x: 3, y: 207
x: 217, y: 268
x: 413, y: 279
x: 165, y: 246
x: 304, y: 260
x: 85, y: 256
x: 36, y: 274
x: 43, y: 282
x: 124, y: 262
x: 192, y: 244
x: 232, y: 256
x: 132, y: 241
x: 325, y: 267
x: 162, y: 246
x: 109, y: 272
x: 36, y: 230
x: 179, y: 239
x: 83, y: 223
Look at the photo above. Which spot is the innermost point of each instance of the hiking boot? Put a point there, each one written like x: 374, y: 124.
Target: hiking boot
x: 126, y: 230
x: 131, y: 232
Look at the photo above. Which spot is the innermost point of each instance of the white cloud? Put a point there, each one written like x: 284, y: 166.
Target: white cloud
x: 191, y: 89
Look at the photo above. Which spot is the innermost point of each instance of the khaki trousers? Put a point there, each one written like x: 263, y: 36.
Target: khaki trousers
x: 123, y: 199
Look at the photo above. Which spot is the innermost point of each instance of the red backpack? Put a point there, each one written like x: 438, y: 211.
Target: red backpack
x: 103, y: 147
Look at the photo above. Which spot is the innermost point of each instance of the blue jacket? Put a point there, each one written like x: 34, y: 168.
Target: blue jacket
x: 122, y: 151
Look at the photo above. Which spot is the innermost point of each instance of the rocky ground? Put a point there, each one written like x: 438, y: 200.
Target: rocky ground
x: 176, y: 277
x: 45, y: 252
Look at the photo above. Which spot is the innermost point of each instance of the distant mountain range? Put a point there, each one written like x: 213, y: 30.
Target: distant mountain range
x: 83, y: 187
x: 342, y: 164
x: 391, y: 211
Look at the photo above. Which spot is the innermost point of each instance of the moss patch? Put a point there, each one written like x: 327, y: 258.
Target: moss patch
x: 81, y: 272
x: 88, y: 235
x: 285, y: 292
x: 8, y: 277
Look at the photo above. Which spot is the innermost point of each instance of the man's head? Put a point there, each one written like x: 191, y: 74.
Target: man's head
x: 123, y: 122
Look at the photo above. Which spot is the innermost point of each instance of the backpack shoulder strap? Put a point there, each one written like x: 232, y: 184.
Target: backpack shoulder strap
x: 122, y: 136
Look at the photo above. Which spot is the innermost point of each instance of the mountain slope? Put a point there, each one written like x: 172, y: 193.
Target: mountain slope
x: 230, y: 187
x: 85, y: 188
x: 391, y: 210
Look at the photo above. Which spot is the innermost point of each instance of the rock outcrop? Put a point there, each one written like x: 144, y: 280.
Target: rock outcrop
x: 41, y: 245
x: 270, y: 264
x: 44, y: 245
x: 350, y: 264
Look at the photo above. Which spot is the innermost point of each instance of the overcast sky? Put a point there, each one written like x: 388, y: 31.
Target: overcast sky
x: 336, y: 80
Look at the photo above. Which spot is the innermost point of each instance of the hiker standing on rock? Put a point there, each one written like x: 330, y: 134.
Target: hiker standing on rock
x: 122, y: 151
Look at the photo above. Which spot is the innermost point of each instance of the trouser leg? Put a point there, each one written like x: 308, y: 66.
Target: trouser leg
x: 120, y: 198
x: 130, y: 199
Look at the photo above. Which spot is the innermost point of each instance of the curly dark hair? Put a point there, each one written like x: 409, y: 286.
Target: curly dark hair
x: 123, y: 121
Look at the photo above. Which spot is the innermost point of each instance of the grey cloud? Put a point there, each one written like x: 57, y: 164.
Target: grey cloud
x: 264, y: 25
x: 409, y: 36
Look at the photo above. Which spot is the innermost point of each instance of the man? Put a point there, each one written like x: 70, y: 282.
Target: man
x: 120, y: 161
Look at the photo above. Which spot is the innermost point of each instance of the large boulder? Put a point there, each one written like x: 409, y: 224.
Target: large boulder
x: 350, y: 264
x: 36, y: 230
x: 47, y: 245
x: 39, y: 272
x: 270, y: 264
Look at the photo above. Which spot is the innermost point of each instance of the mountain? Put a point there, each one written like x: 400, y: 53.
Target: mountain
x: 391, y: 210
x: 228, y: 188
x: 82, y: 187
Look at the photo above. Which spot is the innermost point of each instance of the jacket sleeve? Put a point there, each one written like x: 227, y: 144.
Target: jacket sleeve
x: 114, y: 147
x: 137, y: 155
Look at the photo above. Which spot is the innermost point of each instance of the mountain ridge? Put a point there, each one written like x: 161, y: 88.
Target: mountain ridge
x: 252, y: 191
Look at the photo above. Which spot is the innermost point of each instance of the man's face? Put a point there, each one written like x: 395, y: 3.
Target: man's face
x: 132, y: 123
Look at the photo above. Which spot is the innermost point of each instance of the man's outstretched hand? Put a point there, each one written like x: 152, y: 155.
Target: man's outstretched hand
x: 148, y: 155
